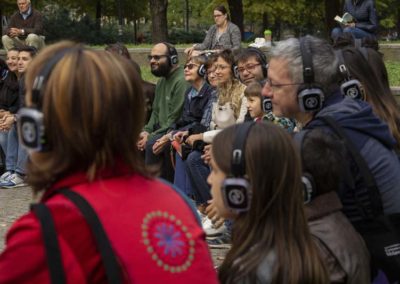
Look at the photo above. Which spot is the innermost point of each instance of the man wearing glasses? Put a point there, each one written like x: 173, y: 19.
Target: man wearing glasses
x: 252, y: 65
x: 167, y: 105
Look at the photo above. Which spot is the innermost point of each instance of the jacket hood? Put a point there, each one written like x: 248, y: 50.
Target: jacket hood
x: 357, y: 117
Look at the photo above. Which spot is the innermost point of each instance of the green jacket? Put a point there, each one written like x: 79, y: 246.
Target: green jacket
x: 168, y: 103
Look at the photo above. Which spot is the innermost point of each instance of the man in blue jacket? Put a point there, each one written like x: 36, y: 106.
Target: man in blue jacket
x: 293, y: 95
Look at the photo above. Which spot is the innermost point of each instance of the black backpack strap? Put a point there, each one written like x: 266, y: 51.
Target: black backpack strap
x: 111, y: 265
x: 51, y: 245
x: 374, y: 195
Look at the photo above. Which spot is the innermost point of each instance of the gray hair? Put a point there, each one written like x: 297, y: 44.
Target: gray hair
x: 325, y: 63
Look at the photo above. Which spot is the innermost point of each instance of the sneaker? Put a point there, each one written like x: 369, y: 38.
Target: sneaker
x: 15, y: 180
x: 211, y: 230
x: 223, y: 241
x: 5, y: 176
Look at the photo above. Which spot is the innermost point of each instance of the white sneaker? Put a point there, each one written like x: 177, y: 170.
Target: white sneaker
x: 15, y: 180
x: 5, y: 176
x: 211, y: 230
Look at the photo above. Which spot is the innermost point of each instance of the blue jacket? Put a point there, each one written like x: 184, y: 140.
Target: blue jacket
x: 195, y: 109
x: 364, y: 12
x: 375, y: 142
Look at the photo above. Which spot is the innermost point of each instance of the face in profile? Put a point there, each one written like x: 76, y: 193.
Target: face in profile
x: 159, y: 61
x: 281, y: 89
x: 254, y: 106
x: 216, y: 180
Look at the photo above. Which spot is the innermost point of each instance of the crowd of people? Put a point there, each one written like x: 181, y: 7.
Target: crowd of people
x: 291, y: 162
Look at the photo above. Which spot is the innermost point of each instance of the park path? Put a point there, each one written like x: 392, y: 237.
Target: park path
x: 15, y: 202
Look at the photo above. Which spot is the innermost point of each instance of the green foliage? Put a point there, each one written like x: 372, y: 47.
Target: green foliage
x: 60, y: 25
x: 393, y: 68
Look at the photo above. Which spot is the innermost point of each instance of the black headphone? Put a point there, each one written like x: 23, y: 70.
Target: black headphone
x: 350, y: 87
x: 266, y: 103
x: 309, y: 187
x: 235, y: 71
x: 262, y: 58
x: 310, y: 96
x: 172, y: 54
x: 202, y: 71
x: 31, y: 130
x: 236, y: 191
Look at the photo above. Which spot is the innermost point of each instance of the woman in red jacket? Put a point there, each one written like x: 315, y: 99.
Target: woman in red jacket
x: 85, y: 112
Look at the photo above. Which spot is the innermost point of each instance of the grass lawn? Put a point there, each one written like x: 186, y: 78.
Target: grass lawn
x: 393, y: 68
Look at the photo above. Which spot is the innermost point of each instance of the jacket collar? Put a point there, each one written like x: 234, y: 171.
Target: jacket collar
x: 323, y: 205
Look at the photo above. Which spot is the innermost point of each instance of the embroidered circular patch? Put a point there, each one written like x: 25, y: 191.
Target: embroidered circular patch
x: 168, y: 241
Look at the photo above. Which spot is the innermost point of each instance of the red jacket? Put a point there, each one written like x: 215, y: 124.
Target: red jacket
x: 153, y: 231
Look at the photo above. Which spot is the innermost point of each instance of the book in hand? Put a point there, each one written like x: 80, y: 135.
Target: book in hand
x: 345, y: 19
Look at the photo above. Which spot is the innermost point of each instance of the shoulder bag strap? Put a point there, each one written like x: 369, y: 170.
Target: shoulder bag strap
x: 51, y: 244
x: 375, y: 197
x: 111, y: 265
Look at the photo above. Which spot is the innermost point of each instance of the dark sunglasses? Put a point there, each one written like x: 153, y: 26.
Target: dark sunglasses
x: 189, y: 66
x: 156, y: 57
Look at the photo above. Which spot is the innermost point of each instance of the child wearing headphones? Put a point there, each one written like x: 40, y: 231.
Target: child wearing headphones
x: 271, y: 242
x: 254, y: 100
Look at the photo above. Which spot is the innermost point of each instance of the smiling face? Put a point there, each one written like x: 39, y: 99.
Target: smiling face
x: 223, y: 71
x: 12, y: 60
x: 283, y: 98
x: 191, y: 72
x: 250, y: 70
x: 159, y: 64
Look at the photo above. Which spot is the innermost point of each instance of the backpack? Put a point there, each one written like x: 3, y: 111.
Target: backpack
x: 380, y: 232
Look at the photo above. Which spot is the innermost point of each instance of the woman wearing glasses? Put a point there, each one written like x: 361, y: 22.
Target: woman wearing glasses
x: 224, y: 34
x: 230, y: 108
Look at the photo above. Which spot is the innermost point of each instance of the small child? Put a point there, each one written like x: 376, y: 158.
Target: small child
x: 254, y: 100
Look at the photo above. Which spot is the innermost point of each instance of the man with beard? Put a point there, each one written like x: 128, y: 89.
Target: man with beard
x: 167, y: 105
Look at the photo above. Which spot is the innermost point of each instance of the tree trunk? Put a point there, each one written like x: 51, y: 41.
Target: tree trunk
x: 236, y: 11
x: 187, y: 15
x: 332, y: 8
x: 159, y: 24
x: 398, y: 22
x: 265, y: 21
x: 98, y: 15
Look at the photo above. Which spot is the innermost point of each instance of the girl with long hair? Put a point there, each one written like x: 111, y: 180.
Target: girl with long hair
x: 271, y: 242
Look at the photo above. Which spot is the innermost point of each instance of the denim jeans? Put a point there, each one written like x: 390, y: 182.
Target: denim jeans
x: 16, y: 155
x: 198, y: 172
x: 356, y: 32
x: 181, y: 179
x: 163, y: 159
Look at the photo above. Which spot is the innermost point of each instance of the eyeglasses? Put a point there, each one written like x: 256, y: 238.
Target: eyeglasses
x: 248, y: 67
x: 156, y: 57
x: 276, y: 87
x: 221, y: 67
x: 190, y: 66
x: 217, y: 16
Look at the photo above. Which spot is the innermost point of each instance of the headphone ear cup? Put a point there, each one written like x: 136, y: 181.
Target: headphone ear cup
x: 236, y: 194
x: 309, y: 189
x: 310, y: 99
x: 31, y: 131
x: 173, y: 59
x: 266, y: 104
x: 202, y: 70
x: 353, y: 89
x: 235, y: 71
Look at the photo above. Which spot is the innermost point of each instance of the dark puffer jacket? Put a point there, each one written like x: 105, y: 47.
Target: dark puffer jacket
x: 364, y: 12
x: 9, y: 93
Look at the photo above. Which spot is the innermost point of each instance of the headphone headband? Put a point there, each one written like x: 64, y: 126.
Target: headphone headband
x: 238, y: 164
x: 308, y: 70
